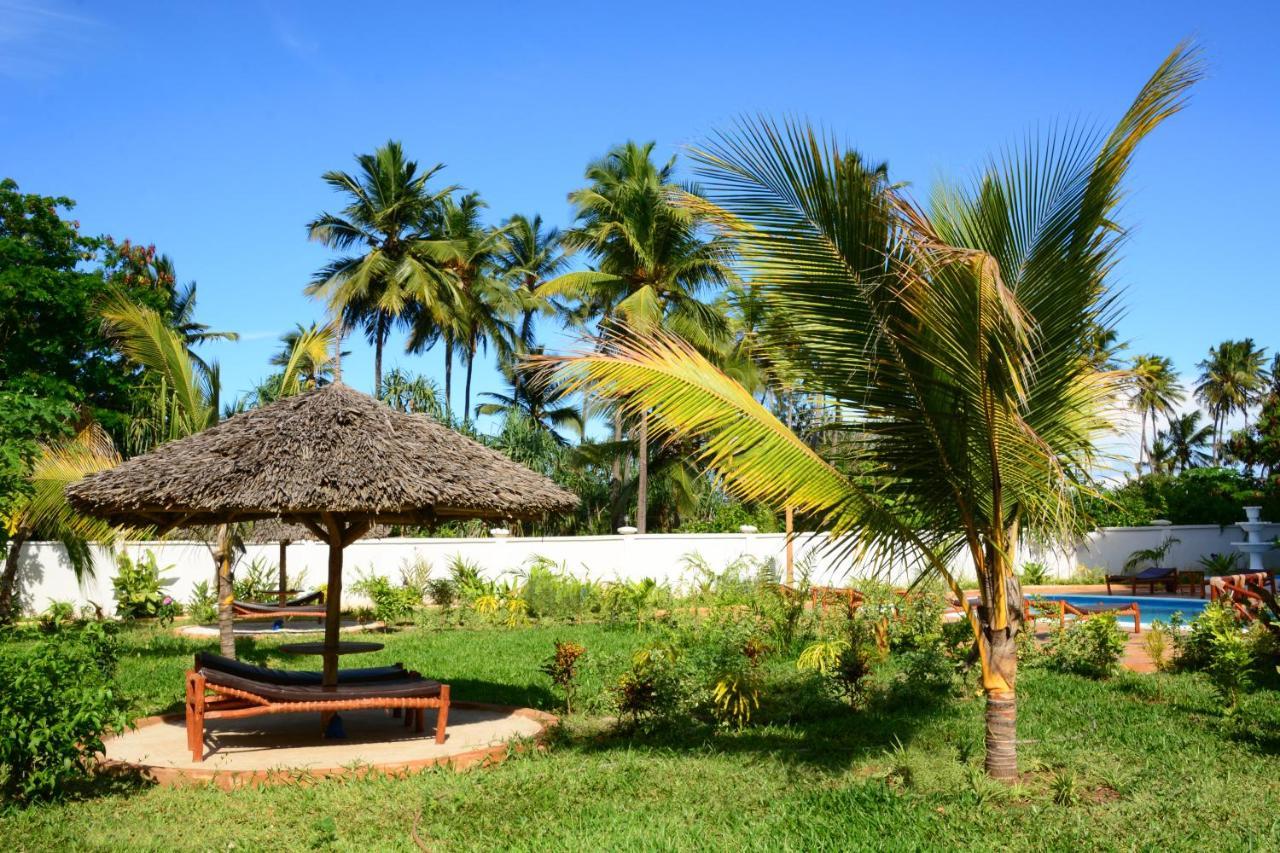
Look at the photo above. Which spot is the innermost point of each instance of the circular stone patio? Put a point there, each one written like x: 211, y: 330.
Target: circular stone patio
x: 280, y: 747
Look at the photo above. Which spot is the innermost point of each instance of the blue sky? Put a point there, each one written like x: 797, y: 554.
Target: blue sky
x: 204, y: 128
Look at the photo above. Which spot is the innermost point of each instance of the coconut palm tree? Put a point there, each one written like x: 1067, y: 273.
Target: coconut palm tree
x: 1187, y: 439
x: 416, y: 394
x: 531, y: 255
x: 478, y: 308
x: 655, y: 261
x: 44, y: 511
x: 1156, y: 393
x: 1232, y: 379
x: 306, y: 358
x: 950, y: 337
x: 387, y: 200
x: 184, y: 402
x: 541, y: 403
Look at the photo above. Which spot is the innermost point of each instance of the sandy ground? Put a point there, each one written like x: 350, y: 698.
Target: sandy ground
x: 295, y: 742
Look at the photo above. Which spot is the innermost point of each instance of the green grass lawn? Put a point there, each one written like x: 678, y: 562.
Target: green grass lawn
x: 1139, y: 762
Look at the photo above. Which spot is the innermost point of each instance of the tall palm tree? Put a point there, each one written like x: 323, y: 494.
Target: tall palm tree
x: 185, y: 402
x: 1232, y: 379
x: 1156, y: 393
x: 531, y: 255
x: 655, y: 261
x: 477, y: 309
x: 542, y: 403
x: 950, y: 337
x: 1187, y: 440
x: 391, y: 266
x: 416, y: 394
x: 306, y: 358
x: 44, y: 512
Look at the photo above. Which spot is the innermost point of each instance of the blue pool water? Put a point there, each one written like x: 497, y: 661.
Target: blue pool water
x: 1152, y: 607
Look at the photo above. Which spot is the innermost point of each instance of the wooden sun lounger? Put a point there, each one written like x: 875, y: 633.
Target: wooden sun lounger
x: 1066, y: 609
x: 821, y: 596
x: 1166, y: 577
x: 236, y: 695
x: 1247, y: 592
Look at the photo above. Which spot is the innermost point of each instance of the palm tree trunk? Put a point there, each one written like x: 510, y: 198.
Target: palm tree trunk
x: 226, y: 625
x: 379, y: 340
x: 448, y: 381
x: 642, y: 474
x: 1142, y: 440
x: 998, y: 653
x: 466, y: 393
x: 615, y: 475
x: 337, y: 348
x: 9, y: 579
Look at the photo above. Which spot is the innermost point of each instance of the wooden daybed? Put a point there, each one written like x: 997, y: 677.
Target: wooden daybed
x: 308, y: 606
x: 243, y: 690
x: 1084, y: 611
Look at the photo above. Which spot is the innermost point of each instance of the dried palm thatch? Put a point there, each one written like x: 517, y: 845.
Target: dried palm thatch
x: 329, y: 451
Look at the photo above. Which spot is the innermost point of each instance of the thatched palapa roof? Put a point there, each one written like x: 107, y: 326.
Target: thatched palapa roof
x: 332, y: 450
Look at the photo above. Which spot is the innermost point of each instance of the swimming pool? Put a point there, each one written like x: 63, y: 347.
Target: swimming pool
x: 1152, y: 607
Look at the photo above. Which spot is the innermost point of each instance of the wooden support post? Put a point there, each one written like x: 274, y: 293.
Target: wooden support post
x: 791, y: 556
x: 284, y: 575
x: 333, y: 602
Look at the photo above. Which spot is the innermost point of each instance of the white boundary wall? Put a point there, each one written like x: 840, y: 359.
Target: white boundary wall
x: 45, y: 575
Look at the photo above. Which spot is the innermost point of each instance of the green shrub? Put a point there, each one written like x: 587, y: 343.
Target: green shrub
x: 1034, y: 574
x: 56, y: 705
x: 392, y: 603
x: 551, y: 592
x: 139, y: 589
x: 256, y: 581
x: 1215, y: 643
x: 441, y: 593
x: 202, y: 606
x: 562, y: 669
x: 57, y: 615
x: 1090, y: 647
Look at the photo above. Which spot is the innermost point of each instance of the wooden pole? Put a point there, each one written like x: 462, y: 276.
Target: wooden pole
x: 284, y: 575
x: 791, y: 556
x: 333, y: 602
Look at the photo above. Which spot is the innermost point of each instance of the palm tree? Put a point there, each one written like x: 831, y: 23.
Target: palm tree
x: 1232, y: 379
x: 416, y: 394
x: 184, y: 401
x: 541, y: 403
x: 531, y: 255
x: 306, y: 358
x: 476, y: 310
x: 950, y: 337
x: 44, y: 512
x: 1186, y: 440
x: 387, y: 201
x: 654, y: 262
x: 1156, y: 393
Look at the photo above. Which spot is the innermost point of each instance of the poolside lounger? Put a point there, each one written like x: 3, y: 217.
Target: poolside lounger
x: 1248, y: 593
x: 236, y: 694
x: 1084, y: 611
x: 1168, y: 577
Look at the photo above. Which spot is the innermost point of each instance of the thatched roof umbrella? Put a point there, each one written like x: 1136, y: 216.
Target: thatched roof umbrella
x: 335, y: 461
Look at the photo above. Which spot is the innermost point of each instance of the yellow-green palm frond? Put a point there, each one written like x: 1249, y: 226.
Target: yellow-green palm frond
x: 147, y: 340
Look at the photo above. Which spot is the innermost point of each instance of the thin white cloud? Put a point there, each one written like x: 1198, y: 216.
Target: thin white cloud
x: 38, y: 40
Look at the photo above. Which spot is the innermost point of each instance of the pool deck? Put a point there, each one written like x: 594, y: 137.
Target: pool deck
x: 1135, y: 656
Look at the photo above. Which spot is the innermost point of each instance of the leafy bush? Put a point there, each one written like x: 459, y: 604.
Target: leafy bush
x: 1220, y: 564
x: 392, y: 603
x: 57, y: 704
x: 57, y: 615
x: 1034, y: 574
x: 1215, y: 643
x: 1090, y: 647
x: 562, y: 668
x: 202, y: 606
x: 441, y: 593
x: 139, y: 589
x: 551, y: 592
x: 1156, y: 642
